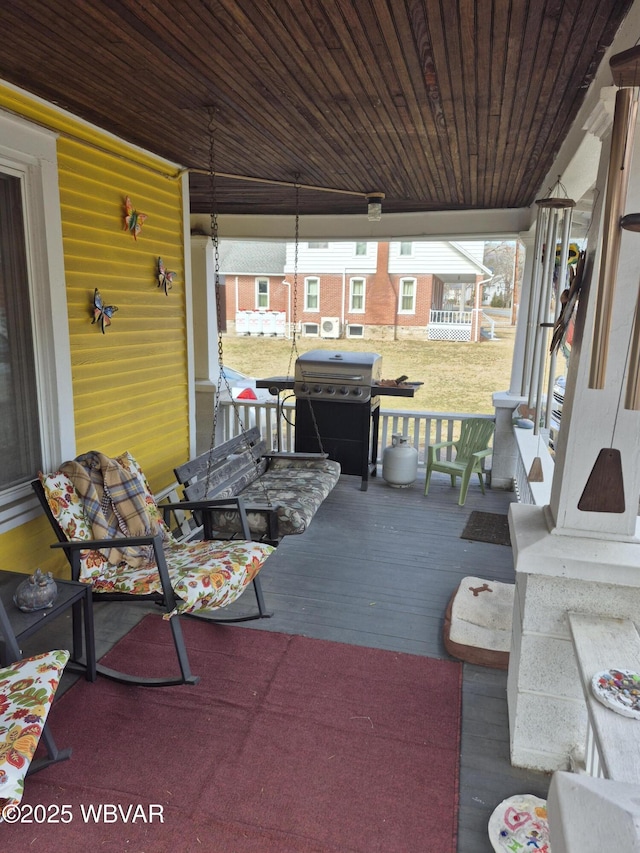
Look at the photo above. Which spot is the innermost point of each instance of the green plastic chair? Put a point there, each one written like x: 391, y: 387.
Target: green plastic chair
x: 471, y: 448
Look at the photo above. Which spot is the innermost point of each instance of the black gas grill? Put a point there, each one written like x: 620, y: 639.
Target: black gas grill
x: 338, y: 406
x: 337, y: 409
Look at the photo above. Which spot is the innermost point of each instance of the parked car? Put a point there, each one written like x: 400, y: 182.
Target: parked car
x: 556, y: 410
x: 243, y: 388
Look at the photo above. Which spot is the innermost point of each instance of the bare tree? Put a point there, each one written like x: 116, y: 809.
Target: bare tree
x: 502, y: 259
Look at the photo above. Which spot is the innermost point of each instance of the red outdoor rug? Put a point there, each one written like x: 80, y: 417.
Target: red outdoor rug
x: 287, y: 745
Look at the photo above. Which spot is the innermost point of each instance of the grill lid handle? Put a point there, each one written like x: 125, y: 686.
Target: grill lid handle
x: 313, y: 374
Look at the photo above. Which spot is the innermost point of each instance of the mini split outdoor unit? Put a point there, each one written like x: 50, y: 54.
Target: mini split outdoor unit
x: 330, y: 327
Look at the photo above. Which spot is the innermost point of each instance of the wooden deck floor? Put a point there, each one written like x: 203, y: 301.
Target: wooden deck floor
x: 377, y: 568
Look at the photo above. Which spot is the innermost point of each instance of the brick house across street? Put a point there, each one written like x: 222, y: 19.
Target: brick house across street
x: 393, y: 290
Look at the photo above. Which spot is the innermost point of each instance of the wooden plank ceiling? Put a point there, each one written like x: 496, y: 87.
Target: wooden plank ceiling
x: 441, y: 105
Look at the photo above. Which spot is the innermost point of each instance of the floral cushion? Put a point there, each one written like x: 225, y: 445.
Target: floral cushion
x: 27, y: 688
x: 295, y: 489
x: 204, y: 575
x: 66, y: 505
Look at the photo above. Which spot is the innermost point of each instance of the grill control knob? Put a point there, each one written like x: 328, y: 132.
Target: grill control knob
x: 330, y: 389
x: 344, y: 390
x: 357, y: 392
x: 304, y: 388
x: 317, y: 389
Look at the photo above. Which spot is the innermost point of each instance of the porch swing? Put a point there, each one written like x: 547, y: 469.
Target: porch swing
x: 281, y: 491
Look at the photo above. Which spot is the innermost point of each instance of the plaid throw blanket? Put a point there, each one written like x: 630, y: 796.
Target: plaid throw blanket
x: 114, y: 502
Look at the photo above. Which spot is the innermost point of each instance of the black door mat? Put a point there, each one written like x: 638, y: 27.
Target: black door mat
x: 490, y: 527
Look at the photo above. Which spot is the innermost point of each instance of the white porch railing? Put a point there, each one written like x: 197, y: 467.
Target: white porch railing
x: 449, y: 316
x: 421, y: 427
x: 446, y: 325
x: 488, y: 326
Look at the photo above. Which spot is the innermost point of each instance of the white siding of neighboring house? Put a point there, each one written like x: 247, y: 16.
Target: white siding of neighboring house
x: 471, y: 247
x: 438, y: 258
x: 337, y: 258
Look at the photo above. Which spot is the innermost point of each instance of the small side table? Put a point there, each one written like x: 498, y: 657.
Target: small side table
x: 22, y: 625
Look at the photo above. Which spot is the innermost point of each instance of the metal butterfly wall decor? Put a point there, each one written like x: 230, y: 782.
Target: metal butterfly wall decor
x: 102, y: 313
x: 133, y: 221
x: 165, y: 277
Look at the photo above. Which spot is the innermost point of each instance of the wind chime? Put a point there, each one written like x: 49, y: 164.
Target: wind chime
x: 604, y: 489
x: 553, y: 224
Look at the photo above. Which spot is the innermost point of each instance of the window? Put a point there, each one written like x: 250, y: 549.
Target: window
x: 20, y: 453
x: 310, y: 330
x: 361, y: 248
x: 36, y: 411
x: 311, y: 294
x: 407, y: 296
x: 262, y: 293
x: 406, y: 249
x: 354, y: 331
x: 317, y: 245
x: 356, y: 295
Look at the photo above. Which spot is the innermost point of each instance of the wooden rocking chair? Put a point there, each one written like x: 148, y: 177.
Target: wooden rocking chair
x: 192, y: 578
x: 471, y: 449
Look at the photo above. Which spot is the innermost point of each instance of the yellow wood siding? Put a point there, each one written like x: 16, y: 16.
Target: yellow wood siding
x: 130, y: 384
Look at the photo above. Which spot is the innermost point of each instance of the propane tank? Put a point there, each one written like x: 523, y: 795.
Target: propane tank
x: 399, y: 462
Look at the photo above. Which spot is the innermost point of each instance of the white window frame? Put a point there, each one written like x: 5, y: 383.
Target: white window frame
x: 406, y: 249
x: 413, y: 281
x: 260, y: 280
x: 352, y: 280
x: 306, y: 294
x: 360, y: 254
x: 29, y: 152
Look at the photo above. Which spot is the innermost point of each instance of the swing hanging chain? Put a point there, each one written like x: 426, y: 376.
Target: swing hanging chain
x: 315, y: 426
x: 294, y: 318
x: 296, y: 243
x: 215, y: 239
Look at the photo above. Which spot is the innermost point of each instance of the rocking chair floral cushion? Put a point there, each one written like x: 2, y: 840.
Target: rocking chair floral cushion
x: 27, y: 689
x: 205, y: 575
x: 66, y: 505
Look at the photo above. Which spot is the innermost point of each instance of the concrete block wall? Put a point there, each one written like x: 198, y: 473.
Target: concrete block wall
x: 556, y: 574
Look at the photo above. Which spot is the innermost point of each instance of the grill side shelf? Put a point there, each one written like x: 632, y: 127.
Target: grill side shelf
x: 390, y: 391
x: 282, y: 383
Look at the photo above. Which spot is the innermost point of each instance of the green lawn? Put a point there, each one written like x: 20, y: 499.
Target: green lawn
x: 458, y: 377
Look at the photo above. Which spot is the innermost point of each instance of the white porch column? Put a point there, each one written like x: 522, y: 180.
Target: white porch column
x: 205, y: 334
x: 505, y: 449
x: 567, y: 559
x: 519, y: 370
x: 597, y: 418
x: 205, y: 324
